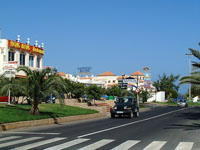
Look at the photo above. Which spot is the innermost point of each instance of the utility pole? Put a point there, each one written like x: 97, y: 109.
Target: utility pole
x: 189, y: 54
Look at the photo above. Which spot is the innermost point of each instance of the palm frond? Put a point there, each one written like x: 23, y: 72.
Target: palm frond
x: 25, y: 69
x: 190, y: 79
x: 195, y: 53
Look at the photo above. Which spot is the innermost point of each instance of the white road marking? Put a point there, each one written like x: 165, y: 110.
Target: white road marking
x: 155, y: 145
x: 126, y: 145
x: 116, y: 127
x: 184, y: 146
x: 19, y: 141
x: 32, y: 133
x: 67, y: 144
x: 29, y: 146
x: 9, y: 138
x: 97, y: 145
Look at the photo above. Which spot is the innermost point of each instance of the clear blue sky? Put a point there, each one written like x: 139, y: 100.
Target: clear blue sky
x: 121, y: 36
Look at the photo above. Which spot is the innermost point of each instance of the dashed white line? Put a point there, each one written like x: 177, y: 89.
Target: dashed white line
x: 32, y: 133
x: 97, y: 144
x: 184, y: 146
x: 155, y: 145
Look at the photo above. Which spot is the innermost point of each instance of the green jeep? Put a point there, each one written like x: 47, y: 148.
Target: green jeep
x: 125, y: 106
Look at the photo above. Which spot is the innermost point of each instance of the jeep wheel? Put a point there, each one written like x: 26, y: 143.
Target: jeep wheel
x: 131, y: 114
x: 112, y: 115
x: 137, y: 113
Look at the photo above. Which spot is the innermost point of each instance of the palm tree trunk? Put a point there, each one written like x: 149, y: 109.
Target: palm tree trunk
x: 34, y: 109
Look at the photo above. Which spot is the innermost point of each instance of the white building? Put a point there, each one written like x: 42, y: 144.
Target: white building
x: 15, y: 53
x: 108, y: 78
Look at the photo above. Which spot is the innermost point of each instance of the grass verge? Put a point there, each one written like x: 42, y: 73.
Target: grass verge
x: 21, y: 112
x: 175, y: 103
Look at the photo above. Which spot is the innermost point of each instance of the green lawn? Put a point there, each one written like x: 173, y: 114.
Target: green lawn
x: 21, y: 112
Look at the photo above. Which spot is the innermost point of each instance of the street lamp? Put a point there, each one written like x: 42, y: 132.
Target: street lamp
x: 189, y: 54
x: 10, y: 73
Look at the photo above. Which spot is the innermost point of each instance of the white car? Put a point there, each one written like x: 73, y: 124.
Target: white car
x: 182, y: 103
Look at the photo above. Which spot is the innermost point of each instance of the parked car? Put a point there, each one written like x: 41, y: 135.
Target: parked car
x: 50, y: 99
x: 125, y: 106
x: 182, y: 103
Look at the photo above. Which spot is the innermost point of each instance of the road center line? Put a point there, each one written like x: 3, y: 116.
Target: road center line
x: 131, y: 123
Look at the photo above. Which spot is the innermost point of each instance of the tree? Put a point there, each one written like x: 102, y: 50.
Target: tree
x: 144, y: 95
x: 125, y: 92
x: 167, y: 84
x: 12, y: 84
x: 194, y: 78
x: 94, y: 92
x: 114, y: 91
x: 195, y: 90
x: 3, y: 81
x: 77, y: 89
x: 40, y: 84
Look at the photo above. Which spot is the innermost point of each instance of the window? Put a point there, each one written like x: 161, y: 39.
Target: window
x: 11, y: 56
x: 113, y: 81
x: 22, y: 59
x: 4, y: 58
x: 31, y: 62
x: 38, y: 62
x: 108, y: 81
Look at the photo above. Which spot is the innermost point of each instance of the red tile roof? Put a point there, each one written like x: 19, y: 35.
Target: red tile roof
x: 108, y: 73
x: 61, y: 74
x: 137, y: 73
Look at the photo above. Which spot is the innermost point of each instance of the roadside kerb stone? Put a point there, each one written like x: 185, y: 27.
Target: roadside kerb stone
x: 15, y: 125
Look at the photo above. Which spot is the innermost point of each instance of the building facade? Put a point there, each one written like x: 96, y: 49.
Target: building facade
x: 15, y: 53
x: 107, y: 78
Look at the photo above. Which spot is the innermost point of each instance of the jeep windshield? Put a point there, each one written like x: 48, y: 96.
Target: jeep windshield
x: 124, y: 100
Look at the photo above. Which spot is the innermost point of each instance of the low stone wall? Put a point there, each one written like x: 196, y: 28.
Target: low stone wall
x: 15, y: 125
x: 76, y: 103
x: 71, y: 102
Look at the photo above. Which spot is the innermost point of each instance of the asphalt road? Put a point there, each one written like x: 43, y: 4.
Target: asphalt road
x: 165, y: 128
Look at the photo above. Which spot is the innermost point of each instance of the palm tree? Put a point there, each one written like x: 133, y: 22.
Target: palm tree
x: 194, y: 77
x: 13, y: 84
x: 40, y: 84
x: 166, y: 83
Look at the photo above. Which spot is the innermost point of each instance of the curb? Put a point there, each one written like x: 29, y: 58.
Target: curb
x: 32, y: 123
x: 15, y: 125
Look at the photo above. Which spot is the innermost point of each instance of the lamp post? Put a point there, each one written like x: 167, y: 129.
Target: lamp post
x: 189, y: 54
x: 9, y: 88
